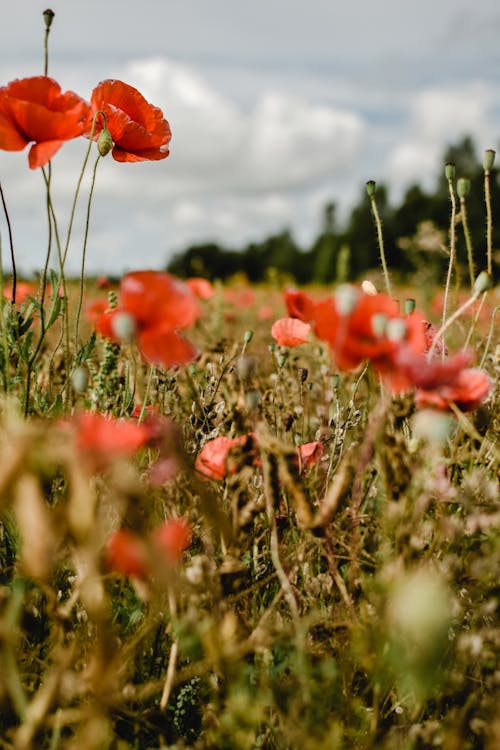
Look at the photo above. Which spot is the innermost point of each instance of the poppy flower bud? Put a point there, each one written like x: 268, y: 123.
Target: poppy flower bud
x: 124, y: 326
x: 396, y: 329
x: 104, y: 142
x: 379, y: 324
x: 80, y: 379
x: 410, y: 305
x: 463, y: 187
x: 488, y: 159
x: 248, y: 337
x: 371, y: 187
x: 48, y: 17
x: 449, y: 171
x: 483, y: 283
x: 346, y: 297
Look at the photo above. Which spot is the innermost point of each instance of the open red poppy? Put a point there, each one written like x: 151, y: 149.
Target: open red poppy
x: 138, y: 129
x: 290, y: 331
x: 467, y: 389
x: 153, y: 307
x: 34, y: 110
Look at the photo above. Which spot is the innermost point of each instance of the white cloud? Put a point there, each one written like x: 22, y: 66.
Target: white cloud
x: 285, y: 141
x: 439, y: 117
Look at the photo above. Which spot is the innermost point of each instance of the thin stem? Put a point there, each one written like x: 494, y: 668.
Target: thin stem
x: 468, y: 241
x: 490, y: 336
x: 489, y: 221
x: 152, y: 371
x: 447, y: 323
x: 79, y: 183
x: 85, y: 239
x: 380, y: 237
x: 11, y: 243
x: 452, y: 257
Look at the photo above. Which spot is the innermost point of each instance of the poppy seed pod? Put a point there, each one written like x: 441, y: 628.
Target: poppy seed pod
x: 488, y: 159
x: 463, y: 187
x: 449, y: 171
x: 371, y: 187
x: 483, y: 283
x: 48, y: 17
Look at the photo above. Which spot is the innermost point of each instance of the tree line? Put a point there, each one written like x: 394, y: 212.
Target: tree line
x: 415, y: 235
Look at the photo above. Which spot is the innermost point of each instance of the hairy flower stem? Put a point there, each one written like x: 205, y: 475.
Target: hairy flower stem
x: 489, y: 221
x: 468, y: 240
x: 447, y: 323
x: 380, y: 237
x: 11, y: 243
x: 452, y: 257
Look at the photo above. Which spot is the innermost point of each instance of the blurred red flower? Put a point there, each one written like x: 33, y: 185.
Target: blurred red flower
x: 212, y: 459
x: 153, y: 306
x: 23, y: 290
x: 101, y: 439
x: 290, y: 331
x: 172, y: 538
x: 467, y: 390
x: 202, y: 288
x: 300, y: 305
x: 360, y: 326
x: 126, y: 553
x: 35, y: 110
x: 310, y: 453
x: 138, y: 129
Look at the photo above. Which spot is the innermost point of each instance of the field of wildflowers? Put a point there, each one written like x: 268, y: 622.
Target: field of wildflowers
x: 236, y: 517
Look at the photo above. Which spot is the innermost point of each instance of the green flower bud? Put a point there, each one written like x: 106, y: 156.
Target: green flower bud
x: 463, y: 187
x: 48, y: 17
x: 483, y: 283
x: 410, y: 305
x: 282, y: 358
x: 379, y: 324
x: 248, y: 336
x: 346, y: 297
x: 371, y: 187
x: 449, y: 171
x: 80, y: 379
x: 124, y: 326
x: 104, y: 142
x: 488, y: 159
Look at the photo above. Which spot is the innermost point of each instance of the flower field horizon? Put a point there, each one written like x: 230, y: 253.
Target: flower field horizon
x: 236, y: 516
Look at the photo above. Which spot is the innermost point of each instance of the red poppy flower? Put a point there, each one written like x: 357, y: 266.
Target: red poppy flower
x: 202, y: 288
x: 361, y: 327
x: 127, y: 554
x: 23, y: 290
x: 212, y: 459
x: 35, y: 110
x: 172, y: 538
x: 102, y: 439
x: 290, y: 331
x: 466, y: 390
x: 153, y: 306
x: 138, y: 129
x: 240, y: 297
x: 299, y: 305
x: 310, y: 453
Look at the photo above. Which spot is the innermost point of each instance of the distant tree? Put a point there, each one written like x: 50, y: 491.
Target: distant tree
x: 325, y: 249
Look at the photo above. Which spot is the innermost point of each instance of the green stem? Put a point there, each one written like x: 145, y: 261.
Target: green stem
x: 489, y: 221
x: 380, y: 237
x: 447, y: 323
x: 84, y: 251
x: 11, y: 243
x: 452, y: 259
x: 468, y: 241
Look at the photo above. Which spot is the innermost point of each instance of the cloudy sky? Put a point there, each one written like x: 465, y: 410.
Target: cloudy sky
x: 276, y: 106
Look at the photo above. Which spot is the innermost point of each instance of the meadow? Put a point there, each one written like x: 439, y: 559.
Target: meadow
x: 240, y: 516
